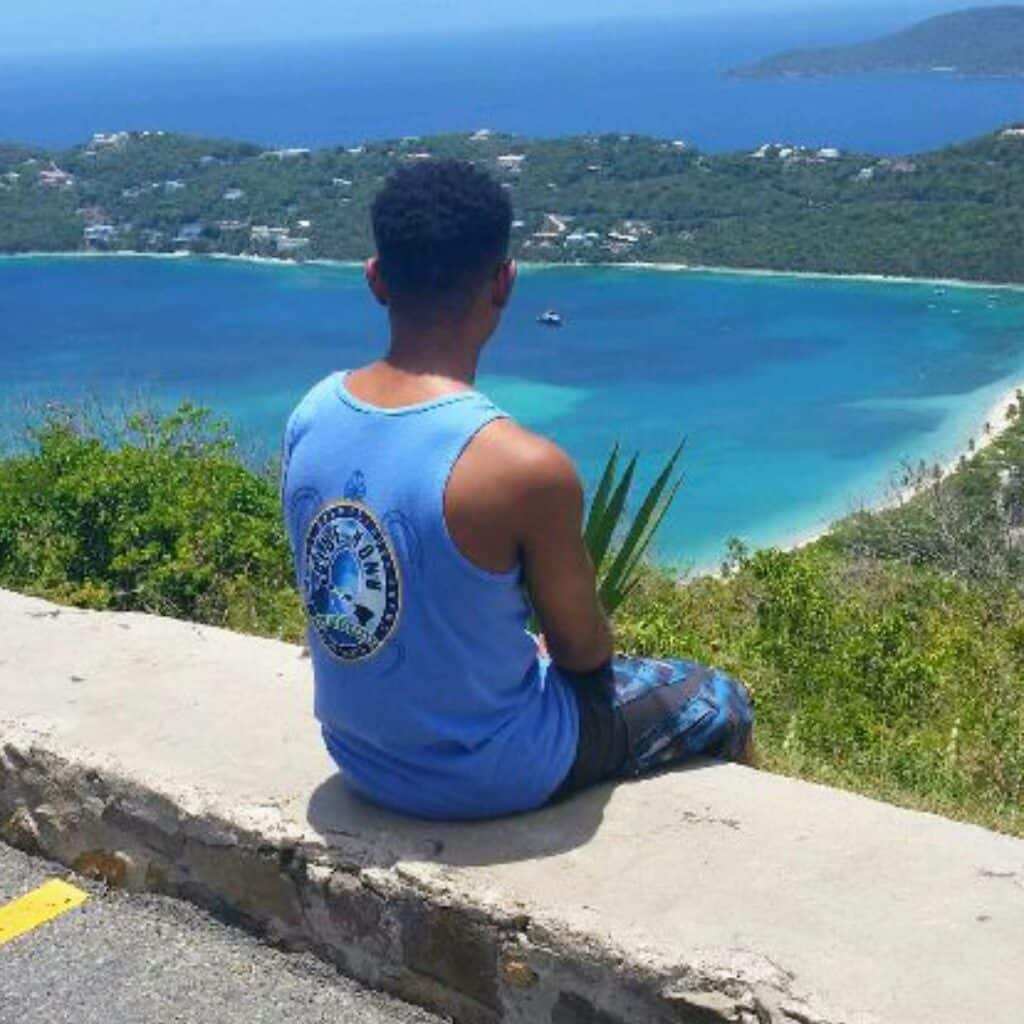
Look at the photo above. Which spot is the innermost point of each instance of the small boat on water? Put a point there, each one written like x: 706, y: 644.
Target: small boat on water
x: 549, y: 318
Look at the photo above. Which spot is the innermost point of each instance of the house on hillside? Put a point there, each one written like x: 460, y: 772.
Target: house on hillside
x: 107, y: 140
x: 553, y: 227
x: 99, y: 235
x: 511, y: 162
x: 291, y: 153
x: 280, y: 239
x: 54, y: 177
x: 640, y: 228
x: 262, y: 233
x: 292, y: 245
x: 189, y: 234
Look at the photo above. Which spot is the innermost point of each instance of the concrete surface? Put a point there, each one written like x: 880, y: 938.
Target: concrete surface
x: 123, y: 958
x: 184, y: 759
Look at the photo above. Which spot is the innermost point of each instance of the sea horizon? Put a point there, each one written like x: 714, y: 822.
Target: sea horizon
x: 670, y: 82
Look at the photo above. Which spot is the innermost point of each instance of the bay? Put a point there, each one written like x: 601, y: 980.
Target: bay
x: 799, y: 398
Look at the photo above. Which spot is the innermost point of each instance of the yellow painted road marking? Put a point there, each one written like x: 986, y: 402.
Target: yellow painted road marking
x: 37, y: 907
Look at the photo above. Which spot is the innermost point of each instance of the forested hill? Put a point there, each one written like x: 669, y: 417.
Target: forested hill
x: 958, y: 212
x: 978, y: 41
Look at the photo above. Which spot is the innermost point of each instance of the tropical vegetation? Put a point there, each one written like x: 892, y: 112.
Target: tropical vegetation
x: 957, y: 212
x: 888, y: 657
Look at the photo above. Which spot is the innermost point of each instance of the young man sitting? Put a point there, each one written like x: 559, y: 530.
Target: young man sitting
x: 425, y: 524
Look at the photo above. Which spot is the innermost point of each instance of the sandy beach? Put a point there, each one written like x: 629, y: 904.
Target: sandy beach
x: 528, y: 265
x: 998, y: 419
x: 802, y: 275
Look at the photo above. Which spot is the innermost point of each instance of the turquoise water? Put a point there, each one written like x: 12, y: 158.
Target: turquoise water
x: 798, y: 398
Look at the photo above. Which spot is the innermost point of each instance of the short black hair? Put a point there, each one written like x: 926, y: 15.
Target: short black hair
x: 441, y: 227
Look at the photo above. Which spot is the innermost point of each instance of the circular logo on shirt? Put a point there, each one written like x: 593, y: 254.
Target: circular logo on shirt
x: 352, y: 584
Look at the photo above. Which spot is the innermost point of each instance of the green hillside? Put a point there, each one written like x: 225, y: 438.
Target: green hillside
x: 978, y: 41
x: 958, y: 212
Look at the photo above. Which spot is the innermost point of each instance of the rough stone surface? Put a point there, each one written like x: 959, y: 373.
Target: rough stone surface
x: 185, y: 760
x: 140, y: 958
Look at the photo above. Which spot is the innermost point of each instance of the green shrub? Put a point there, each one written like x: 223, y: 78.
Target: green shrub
x: 167, y: 520
x: 888, y: 679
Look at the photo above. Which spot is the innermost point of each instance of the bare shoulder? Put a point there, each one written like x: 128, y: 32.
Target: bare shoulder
x: 527, y: 464
x: 506, y: 481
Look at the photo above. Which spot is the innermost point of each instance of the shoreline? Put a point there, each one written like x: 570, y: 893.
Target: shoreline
x: 996, y: 415
x: 531, y: 265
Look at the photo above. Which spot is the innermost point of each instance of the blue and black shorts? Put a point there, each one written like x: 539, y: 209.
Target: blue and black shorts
x: 638, y: 715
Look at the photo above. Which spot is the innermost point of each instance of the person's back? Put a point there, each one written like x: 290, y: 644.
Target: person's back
x: 429, y: 688
x: 426, y: 525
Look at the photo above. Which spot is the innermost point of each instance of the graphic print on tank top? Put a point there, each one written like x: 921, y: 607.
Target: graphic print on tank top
x: 352, y: 583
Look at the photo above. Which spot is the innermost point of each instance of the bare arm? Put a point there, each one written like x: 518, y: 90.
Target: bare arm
x: 514, y: 497
x: 559, y: 574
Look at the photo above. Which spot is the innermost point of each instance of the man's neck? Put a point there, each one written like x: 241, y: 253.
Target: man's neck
x: 436, y: 351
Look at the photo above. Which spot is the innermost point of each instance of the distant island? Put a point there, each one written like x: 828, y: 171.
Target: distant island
x: 957, y: 212
x: 978, y: 41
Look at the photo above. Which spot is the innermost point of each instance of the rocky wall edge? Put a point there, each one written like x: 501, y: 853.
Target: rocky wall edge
x: 400, y: 927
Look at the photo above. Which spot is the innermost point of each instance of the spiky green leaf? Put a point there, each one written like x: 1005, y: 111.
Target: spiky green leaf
x: 639, y: 536
x: 609, y: 520
x: 600, y: 502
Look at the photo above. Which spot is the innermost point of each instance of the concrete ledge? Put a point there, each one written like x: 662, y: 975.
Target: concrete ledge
x: 166, y: 756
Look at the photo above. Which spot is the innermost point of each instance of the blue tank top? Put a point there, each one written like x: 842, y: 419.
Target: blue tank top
x: 429, y: 689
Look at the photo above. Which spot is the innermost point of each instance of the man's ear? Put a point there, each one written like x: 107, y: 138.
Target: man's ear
x: 375, y: 281
x: 504, y: 282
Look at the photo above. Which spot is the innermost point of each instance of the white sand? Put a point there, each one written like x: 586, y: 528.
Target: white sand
x: 999, y: 420
x: 691, y: 268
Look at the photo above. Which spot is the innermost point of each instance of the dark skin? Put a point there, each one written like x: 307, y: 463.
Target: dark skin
x: 513, y: 497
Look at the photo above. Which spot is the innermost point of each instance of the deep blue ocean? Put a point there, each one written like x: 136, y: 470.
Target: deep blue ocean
x: 664, y: 79
x: 799, y: 399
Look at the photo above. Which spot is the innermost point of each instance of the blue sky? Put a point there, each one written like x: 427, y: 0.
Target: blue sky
x: 69, y: 25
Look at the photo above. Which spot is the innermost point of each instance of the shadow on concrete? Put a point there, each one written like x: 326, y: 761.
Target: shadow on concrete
x: 351, y: 825
x: 345, y: 821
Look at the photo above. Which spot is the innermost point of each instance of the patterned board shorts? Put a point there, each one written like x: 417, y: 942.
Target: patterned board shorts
x: 641, y: 714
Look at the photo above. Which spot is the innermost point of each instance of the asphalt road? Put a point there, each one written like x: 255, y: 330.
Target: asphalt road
x: 130, y: 959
